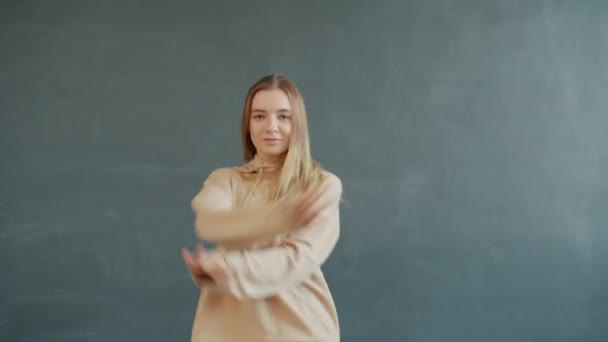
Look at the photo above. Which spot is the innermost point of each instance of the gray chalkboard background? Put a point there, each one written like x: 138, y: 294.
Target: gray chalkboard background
x: 470, y: 136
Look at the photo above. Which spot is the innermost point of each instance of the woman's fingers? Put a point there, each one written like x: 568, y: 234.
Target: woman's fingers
x: 210, y: 264
x: 200, y: 249
x: 191, y: 263
x: 187, y: 257
x: 213, y: 270
x: 198, y: 265
x: 309, y: 206
x: 309, y: 213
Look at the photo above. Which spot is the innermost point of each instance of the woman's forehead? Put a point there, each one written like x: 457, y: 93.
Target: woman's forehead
x: 273, y: 99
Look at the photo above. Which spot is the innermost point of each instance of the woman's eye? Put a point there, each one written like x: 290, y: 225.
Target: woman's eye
x: 258, y: 116
x: 283, y: 117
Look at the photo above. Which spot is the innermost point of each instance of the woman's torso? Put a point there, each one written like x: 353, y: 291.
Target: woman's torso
x: 305, y: 312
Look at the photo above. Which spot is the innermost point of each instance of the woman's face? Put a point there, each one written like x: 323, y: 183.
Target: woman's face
x: 270, y: 123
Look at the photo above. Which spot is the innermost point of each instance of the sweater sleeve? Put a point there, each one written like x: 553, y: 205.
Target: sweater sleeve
x: 260, y: 273
x: 216, y: 219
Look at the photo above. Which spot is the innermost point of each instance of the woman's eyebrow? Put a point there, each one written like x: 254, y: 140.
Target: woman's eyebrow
x: 258, y: 110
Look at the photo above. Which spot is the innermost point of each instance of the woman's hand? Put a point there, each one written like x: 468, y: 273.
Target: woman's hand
x: 204, y: 266
x: 197, y: 272
x: 309, y: 206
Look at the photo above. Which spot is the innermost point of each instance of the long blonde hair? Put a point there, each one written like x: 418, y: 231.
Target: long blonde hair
x: 299, y: 169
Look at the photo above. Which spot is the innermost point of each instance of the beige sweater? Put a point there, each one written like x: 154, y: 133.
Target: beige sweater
x: 273, y: 288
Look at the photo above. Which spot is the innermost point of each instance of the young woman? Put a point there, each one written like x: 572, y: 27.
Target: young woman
x: 275, y: 221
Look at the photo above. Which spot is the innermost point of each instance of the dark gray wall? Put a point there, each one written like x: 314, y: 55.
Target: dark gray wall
x: 470, y: 137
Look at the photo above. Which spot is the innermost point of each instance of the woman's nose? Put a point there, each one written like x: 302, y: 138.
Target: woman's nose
x: 272, y: 125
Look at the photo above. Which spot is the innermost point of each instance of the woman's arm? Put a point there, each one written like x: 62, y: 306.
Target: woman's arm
x: 261, y: 273
x: 217, y: 221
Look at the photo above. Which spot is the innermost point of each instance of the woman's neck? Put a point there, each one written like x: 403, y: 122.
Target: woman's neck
x: 276, y: 160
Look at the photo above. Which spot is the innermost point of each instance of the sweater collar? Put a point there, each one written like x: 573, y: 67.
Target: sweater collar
x: 257, y: 165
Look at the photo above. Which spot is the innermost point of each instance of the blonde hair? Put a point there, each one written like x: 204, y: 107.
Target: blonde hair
x: 299, y: 169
